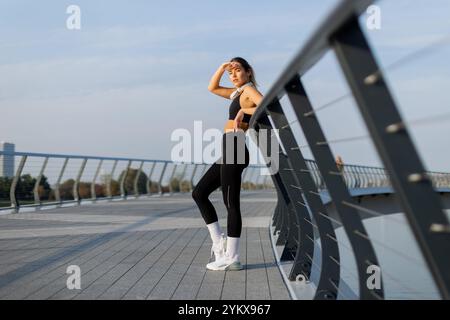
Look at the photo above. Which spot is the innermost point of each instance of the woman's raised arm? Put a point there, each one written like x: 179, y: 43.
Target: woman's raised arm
x: 214, y: 83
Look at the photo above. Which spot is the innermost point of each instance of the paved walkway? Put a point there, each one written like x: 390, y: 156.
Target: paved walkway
x: 146, y: 248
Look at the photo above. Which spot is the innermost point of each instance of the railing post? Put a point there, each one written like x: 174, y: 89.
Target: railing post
x: 312, y: 167
x: 281, y: 222
x: 123, y: 192
x: 12, y: 191
x: 136, y: 179
x: 397, y: 151
x: 266, y: 184
x: 379, y: 173
x: 182, y: 176
x: 203, y: 170
x: 349, y: 217
x: 76, y: 195
x: 58, y: 182
x: 255, y: 177
x: 149, y: 180
x: 161, y: 177
x: 357, y: 177
x: 317, y: 175
x: 191, y: 181
x: 250, y: 178
x: 374, y: 172
x: 244, y: 177
x: 368, y: 174
x: 343, y: 171
x: 259, y: 177
x: 276, y: 212
x: 171, y: 178
x: 93, y: 194
x: 110, y: 179
x: 350, y: 181
x: 330, y: 267
x: 37, y: 198
x: 298, y: 246
x: 363, y: 176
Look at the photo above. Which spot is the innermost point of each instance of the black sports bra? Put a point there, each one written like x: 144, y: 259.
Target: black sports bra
x: 234, y: 109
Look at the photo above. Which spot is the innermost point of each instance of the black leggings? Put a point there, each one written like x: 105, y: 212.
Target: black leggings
x: 225, y: 172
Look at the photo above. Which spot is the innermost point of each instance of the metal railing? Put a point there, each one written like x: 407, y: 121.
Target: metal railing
x: 58, y: 179
x: 361, y: 177
x: 133, y: 181
x: 301, y: 219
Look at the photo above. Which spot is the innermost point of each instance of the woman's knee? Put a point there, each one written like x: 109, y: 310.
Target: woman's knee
x: 199, y: 195
x: 196, y: 194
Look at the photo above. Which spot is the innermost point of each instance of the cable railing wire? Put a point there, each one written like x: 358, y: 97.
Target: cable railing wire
x: 415, y: 55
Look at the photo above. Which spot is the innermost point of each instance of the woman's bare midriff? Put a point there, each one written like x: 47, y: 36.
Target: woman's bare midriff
x: 229, y: 126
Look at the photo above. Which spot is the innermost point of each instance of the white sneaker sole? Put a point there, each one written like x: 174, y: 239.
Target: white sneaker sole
x: 235, y: 266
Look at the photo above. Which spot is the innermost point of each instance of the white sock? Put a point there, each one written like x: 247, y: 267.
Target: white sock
x: 214, y: 231
x: 233, y: 248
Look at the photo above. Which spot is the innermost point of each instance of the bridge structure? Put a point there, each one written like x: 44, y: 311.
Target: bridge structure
x: 314, y: 229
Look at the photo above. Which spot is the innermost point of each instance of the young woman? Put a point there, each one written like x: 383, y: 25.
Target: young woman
x: 226, y: 171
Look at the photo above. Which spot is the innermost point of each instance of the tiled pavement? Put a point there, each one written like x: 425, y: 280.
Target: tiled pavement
x: 146, y: 248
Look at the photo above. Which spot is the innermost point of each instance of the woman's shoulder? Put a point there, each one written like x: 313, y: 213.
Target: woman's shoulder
x: 252, y: 94
x: 250, y: 89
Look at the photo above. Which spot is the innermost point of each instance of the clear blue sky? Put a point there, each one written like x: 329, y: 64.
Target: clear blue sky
x: 137, y: 70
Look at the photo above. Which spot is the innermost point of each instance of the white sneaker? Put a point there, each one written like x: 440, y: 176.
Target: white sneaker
x: 224, y: 264
x: 218, y: 249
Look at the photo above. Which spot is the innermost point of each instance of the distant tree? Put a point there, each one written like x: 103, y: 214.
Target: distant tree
x: 66, y: 189
x: 185, y: 186
x: 5, y: 186
x: 106, y: 179
x: 24, y: 188
x: 44, y: 188
x: 175, y: 184
x: 115, y: 188
x: 153, y: 186
x: 84, y: 190
x: 129, y: 181
x: 100, y: 190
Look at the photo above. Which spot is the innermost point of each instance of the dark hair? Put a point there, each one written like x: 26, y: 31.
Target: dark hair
x: 247, y: 67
